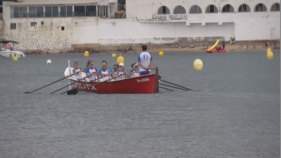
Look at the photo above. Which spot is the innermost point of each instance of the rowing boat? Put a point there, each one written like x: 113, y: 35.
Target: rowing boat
x: 138, y: 85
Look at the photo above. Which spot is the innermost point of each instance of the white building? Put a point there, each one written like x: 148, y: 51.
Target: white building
x: 57, y: 24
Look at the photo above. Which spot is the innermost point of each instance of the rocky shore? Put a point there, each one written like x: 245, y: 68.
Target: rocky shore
x: 182, y: 47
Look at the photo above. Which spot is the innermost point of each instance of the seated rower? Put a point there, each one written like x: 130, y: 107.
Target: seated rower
x: 105, y: 73
x: 91, y: 72
x: 77, y: 71
x: 121, y: 74
x: 135, y: 71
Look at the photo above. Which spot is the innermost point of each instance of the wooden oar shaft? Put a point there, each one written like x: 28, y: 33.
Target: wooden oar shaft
x: 49, y: 84
x: 176, y: 85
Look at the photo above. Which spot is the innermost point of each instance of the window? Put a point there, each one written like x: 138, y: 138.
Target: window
x: 33, y: 24
x: 121, y: 4
x: 48, y: 11
x: 179, y: 10
x: 211, y: 9
x: 195, y: 10
x: 32, y: 12
x: 42, y: 22
x: 62, y: 28
x: 69, y: 12
x: 66, y: 11
x: 13, y: 26
x: 163, y: 10
x: 19, y: 12
x: 275, y: 7
x: 63, y: 12
x: 260, y: 8
x: 55, y: 11
x: 79, y: 11
x: 228, y: 9
x: 36, y: 11
x: 91, y: 11
x: 244, y: 8
x: 51, y: 11
x: 103, y: 11
x: 40, y: 11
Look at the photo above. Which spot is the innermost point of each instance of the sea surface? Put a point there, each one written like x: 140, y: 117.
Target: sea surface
x: 234, y: 112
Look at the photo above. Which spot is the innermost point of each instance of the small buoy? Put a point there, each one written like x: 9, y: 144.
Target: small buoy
x: 268, y: 50
x: 15, y: 58
x: 270, y: 55
x: 113, y: 55
x: 120, y: 59
x: 86, y: 54
x: 198, y: 64
x: 161, y: 53
x: 49, y: 61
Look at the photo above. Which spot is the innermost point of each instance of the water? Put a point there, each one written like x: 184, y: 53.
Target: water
x: 234, y: 113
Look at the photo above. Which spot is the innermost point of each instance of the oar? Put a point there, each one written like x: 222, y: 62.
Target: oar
x: 71, y: 84
x: 67, y: 86
x: 173, y: 87
x: 72, y: 91
x: 49, y: 84
x: 166, y: 88
x: 176, y: 85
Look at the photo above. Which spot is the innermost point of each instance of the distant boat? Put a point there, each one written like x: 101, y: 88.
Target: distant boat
x: 7, y: 49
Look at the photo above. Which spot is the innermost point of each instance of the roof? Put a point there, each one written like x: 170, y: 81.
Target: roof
x: 8, y: 41
x: 51, y: 2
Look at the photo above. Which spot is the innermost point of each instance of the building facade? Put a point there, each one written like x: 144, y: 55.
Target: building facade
x: 58, y: 24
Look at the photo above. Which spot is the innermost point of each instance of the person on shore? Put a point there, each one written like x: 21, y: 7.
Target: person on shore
x: 135, y: 71
x: 223, y: 44
x: 91, y: 71
x: 145, y: 61
x: 266, y: 44
x: 105, y: 72
x: 77, y: 71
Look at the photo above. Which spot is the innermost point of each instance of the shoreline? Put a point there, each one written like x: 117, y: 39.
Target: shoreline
x: 171, y: 48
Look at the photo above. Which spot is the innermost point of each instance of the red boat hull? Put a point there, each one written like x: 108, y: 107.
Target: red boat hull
x: 138, y: 85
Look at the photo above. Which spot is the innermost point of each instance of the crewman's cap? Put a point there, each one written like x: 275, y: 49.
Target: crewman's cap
x: 136, y: 65
x: 121, y: 64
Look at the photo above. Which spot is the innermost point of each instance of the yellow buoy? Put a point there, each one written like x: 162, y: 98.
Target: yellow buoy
x: 113, y: 55
x: 120, y: 59
x: 86, y: 54
x: 198, y: 64
x: 270, y: 55
x: 268, y: 50
x: 15, y: 58
x: 161, y: 53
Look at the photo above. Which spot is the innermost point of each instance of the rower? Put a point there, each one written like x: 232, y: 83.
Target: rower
x: 121, y: 74
x: 115, y: 71
x: 77, y: 71
x: 145, y: 61
x: 105, y: 72
x: 135, y: 71
x: 91, y: 71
